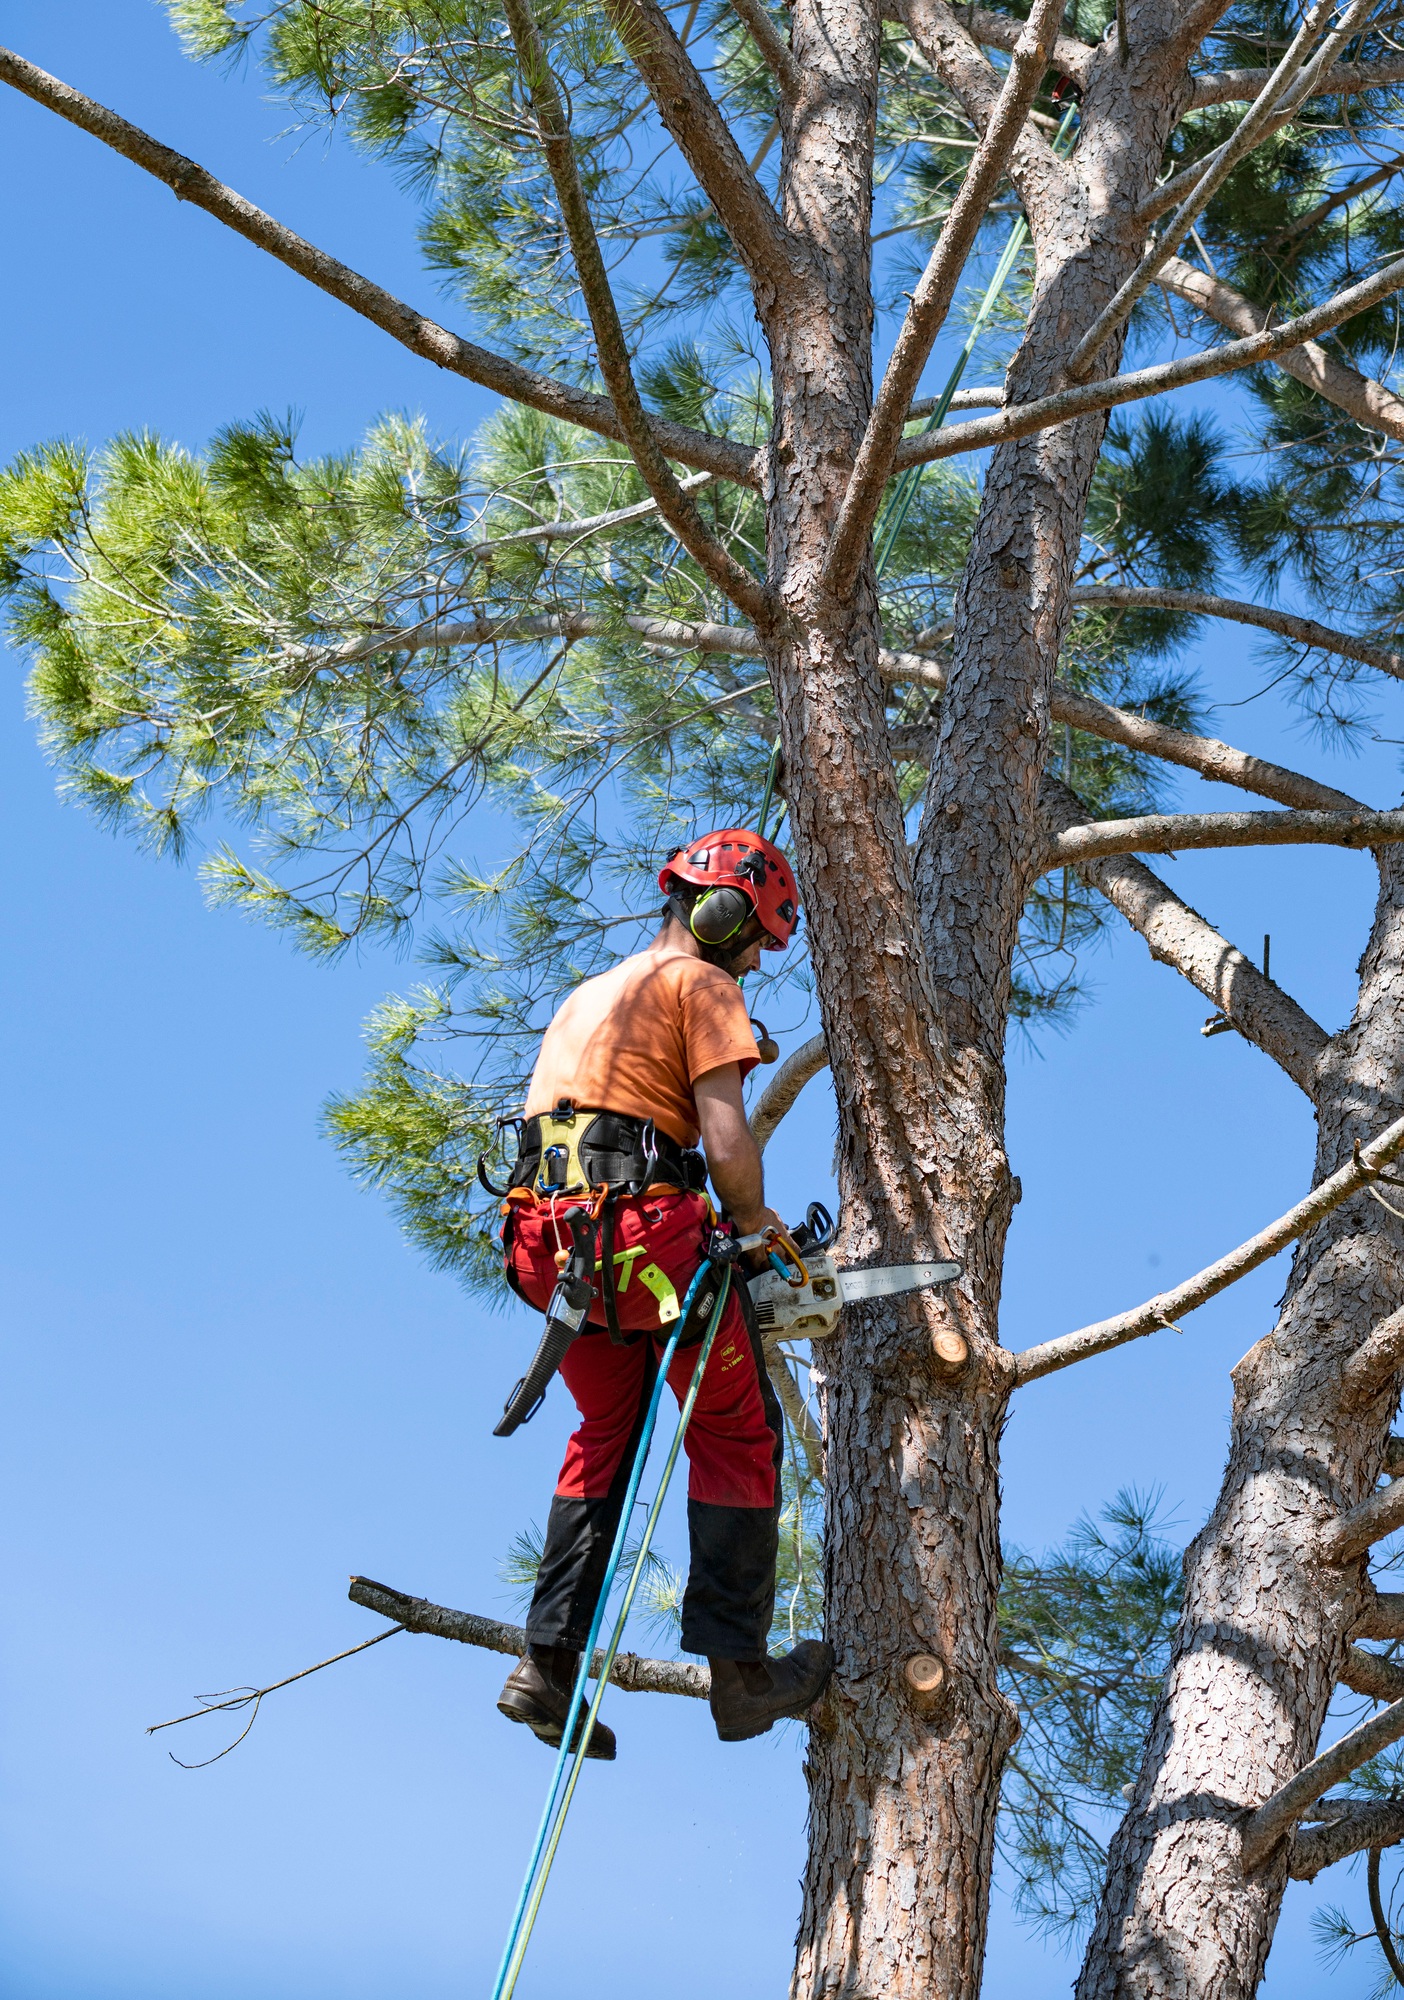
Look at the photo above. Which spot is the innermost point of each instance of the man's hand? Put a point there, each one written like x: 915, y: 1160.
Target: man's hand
x: 733, y: 1157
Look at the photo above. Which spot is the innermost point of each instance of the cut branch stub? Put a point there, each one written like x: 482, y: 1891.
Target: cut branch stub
x: 924, y: 1682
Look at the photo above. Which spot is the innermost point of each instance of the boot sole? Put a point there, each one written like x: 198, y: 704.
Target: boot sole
x: 548, y: 1730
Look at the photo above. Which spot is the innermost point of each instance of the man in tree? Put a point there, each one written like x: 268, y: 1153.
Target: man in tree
x: 637, y: 1064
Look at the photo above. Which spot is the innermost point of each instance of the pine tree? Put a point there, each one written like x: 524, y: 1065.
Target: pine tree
x: 694, y: 544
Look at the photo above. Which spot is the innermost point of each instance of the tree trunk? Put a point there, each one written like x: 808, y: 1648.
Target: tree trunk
x: 1265, y: 1626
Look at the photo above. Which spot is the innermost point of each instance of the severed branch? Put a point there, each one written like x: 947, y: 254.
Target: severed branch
x: 779, y: 1096
x: 1178, y: 936
x: 416, y: 1614
x: 1019, y: 420
x: 1167, y: 1307
x: 931, y: 301
x: 1372, y: 405
x: 612, y: 349
x: 1351, y: 1826
x: 190, y: 182
x: 1286, y: 624
x: 1174, y: 833
x: 1278, y: 1815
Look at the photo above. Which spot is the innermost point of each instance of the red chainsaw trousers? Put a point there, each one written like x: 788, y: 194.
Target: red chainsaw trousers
x: 734, y: 1441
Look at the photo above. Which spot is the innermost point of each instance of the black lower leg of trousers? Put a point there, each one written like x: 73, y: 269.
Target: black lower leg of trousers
x: 579, y: 1537
x: 730, y: 1597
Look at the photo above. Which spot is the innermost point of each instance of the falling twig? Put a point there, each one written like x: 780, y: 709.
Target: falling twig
x: 234, y: 1699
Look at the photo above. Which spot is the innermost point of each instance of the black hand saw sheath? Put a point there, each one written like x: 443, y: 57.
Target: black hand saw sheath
x: 565, y: 1316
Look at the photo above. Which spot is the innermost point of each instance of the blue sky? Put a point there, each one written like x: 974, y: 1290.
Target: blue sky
x: 228, y: 1382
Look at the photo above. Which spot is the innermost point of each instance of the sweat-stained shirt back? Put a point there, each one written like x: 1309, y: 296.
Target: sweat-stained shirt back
x: 636, y: 1038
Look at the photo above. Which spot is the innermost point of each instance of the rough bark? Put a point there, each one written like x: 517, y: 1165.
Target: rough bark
x: 1265, y: 1628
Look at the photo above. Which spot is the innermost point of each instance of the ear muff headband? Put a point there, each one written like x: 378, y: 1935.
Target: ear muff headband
x: 717, y: 916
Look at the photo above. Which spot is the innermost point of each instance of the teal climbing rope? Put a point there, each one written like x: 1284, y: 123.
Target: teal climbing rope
x: 568, y: 1764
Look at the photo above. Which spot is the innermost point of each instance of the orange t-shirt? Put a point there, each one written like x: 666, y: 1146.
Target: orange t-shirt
x: 635, y: 1039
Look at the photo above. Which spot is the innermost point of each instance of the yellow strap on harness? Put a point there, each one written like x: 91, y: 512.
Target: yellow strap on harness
x: 662, y: 1288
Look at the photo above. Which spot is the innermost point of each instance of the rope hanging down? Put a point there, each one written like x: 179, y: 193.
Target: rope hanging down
x: 562, y: 1785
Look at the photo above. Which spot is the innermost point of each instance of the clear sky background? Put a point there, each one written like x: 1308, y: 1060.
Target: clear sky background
x: 229, y: 1384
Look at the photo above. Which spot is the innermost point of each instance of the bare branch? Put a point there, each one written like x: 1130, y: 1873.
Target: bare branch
x: 612, y: 349
x: 784, y: 1087
x: 1178, y: 936
x: 1167, y: 1307
x: 931, y: 300
x: 1291, y: 81
x: 797, y: 1411
x: 1278, y: 1815
x: 1353, y: 1827
x: 1204, y: 604
x: 1383, y: 1618
x: 1377, y: 1358
x: 1363, y: 1526
x: 1175, y: 833
x: 774, y: 259
x: 775, y: 51
x: 1372, y: 405
x: 1236, y: 86
x: 416, y: 1614
x: 1018, y: 420
x: 581, y: 527
x: 1373, y: 1675
x: 425, y: 337
x: 990, y: 396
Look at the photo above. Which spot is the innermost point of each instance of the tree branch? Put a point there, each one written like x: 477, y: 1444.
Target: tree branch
x: 780, y: 1094
x: 1372, y: 405
x: 1001, y: 31
x: 1371, y: 1674
x: 1289, y: 84
x: 1204, y: 604
x: 774, y: 259
x: 1383, y: 1618
x: 1018, y: 420
x: 1178, y: 936
x: 931, y: 301
x: 775, y: 51
x: 1175, y: 833
x: 1378, y: 1357
x: 1276, y: 1816
x: 425, y: 337
x: 612, y: 349
x: 1167, y: 1307
x: 1236, y: 86
x: 797, y: 1413
x: 1352, y: 1828
x: 416, y: 1614
x: 1362, y: 1527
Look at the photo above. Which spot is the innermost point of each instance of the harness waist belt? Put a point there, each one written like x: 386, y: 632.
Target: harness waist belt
x: 567, y: 1151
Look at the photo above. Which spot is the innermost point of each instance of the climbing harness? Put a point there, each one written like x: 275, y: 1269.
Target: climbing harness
x: 706, y: 1298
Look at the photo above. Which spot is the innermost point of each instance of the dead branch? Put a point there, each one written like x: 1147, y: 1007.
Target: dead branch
x: 416, y: 1614
x: 1167, y: 1307
x: 1279, y: 1814
x: 1372, y: 405
x: 1351, y: 1829
x: 1204, y: 604
x: 1178, y: 936
x: 931, y: 301
x: 1174, y: 833
x: 1018, y: 420
x: 780, y: 1094
x: 190, y: 182
x: 233, y: 1700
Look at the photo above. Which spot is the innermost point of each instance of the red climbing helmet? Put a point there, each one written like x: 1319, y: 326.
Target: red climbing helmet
x: 736, y: 860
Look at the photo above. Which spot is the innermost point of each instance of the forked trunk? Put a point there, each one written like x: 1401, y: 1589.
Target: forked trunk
x: 1265, y: 1624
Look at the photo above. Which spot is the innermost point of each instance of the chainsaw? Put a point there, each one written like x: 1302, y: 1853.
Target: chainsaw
x: 804, y: 1290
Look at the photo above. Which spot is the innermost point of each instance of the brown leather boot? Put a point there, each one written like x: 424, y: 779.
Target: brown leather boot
x: 750, y: 1696
x: 537, y: 1692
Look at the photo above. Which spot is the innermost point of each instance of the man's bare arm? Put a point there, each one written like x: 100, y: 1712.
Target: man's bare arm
x: 733, y: 1157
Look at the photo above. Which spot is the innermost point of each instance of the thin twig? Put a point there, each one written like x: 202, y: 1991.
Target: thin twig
x: 234, y: 1699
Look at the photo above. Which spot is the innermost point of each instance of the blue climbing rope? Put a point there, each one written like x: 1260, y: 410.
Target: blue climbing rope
x: 562, y: 1790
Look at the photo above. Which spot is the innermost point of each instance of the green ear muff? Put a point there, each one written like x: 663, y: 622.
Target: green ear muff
x: 720, y: 914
